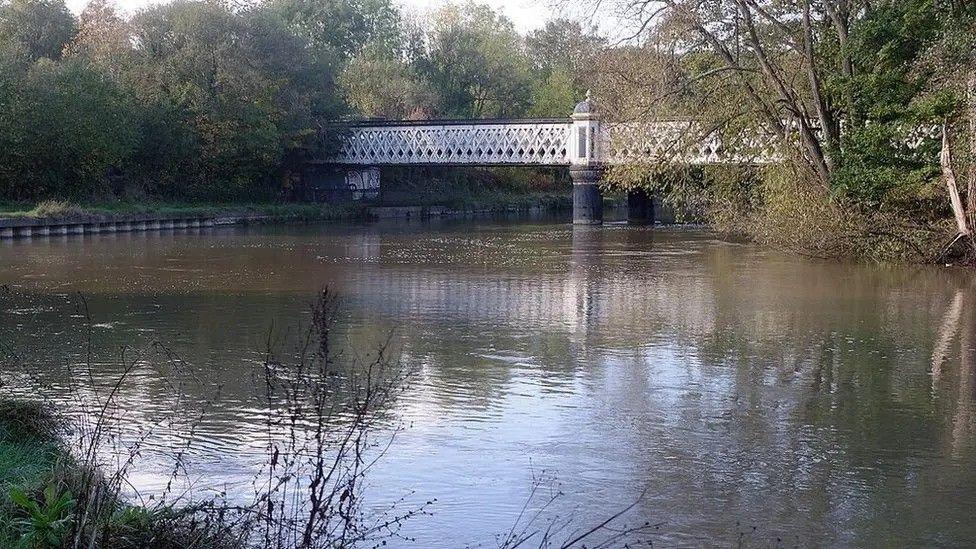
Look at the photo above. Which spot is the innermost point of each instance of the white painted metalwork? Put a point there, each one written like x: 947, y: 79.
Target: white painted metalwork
x: 581, y: 141
x: 540, y: 143
x: 684, y: 142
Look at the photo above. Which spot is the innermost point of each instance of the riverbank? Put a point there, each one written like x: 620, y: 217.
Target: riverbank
x: 63, y: 210
x: 30, y: 454
x: 28, y: 448
x: 50, y: 500
x: 59, y: 217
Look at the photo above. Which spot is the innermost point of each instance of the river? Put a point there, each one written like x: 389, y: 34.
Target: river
x: 748, y: 394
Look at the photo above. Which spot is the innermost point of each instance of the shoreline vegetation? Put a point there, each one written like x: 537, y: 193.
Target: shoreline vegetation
x: 870, y: 106
x: 297, y: 212
x: 66, y: 483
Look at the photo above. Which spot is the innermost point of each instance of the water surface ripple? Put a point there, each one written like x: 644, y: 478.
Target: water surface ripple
x: 749, y: 394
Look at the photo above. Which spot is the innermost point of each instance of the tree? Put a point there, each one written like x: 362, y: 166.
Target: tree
x: 841, y: 85
x: 343, y: 28
x: 384, y: 87
x: 564, y: 58
x: 248, y: 87
x: 564, y: 52
x: 555, y: 96
x: 475, y: 60
x: 72, y: 126
x: 104, y: 38
x: 41, y: 27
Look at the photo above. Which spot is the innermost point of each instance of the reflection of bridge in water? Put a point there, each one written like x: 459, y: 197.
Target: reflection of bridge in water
x: 576, y: 295
x: 581, y: 143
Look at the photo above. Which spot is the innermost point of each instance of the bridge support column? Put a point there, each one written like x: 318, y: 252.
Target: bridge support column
x: 640, y: 207
x: 587, y: 200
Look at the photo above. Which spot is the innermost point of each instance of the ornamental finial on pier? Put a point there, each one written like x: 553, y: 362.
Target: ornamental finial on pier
x: 585, y: 107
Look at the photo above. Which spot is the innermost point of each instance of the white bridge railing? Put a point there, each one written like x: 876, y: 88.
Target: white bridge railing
x: 530, y: 142
x: 542, y: 143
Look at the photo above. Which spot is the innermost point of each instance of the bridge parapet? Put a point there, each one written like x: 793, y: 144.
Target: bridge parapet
x: 545, y: 142
x: 683, y: 142
x: 481, y: 142
x: 582, y: 142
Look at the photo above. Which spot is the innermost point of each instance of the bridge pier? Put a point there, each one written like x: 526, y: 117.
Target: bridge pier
x: 587, y: 200
x: 640, y: 207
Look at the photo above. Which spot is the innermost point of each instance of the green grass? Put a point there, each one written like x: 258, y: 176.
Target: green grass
x: 29, y: 447
x: 40, y: 485
x: 274, y: 211
x: 30, y: 453
x: 301, y: 212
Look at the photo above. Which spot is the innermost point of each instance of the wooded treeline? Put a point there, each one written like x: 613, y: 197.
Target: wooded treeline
x: 210, y: 100
x: 873, y: 103
x: 864, y: 96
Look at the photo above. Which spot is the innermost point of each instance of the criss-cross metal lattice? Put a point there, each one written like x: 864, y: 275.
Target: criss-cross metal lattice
x: 684, y: 142
x: 543, y: 143
x: 517, y: 142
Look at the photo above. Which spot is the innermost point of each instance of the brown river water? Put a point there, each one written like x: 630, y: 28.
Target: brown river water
x: 749, y: 395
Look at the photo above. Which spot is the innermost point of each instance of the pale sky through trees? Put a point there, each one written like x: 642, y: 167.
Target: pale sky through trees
x: 527, y: 15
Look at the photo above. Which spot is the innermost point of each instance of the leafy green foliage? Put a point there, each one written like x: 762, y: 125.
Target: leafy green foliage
x: 69, y: 126
x: 876, y: 162
x: 377, y: 86
x: 875, y: 83
x: 42, y: 28
x: 475, y: 59
x: 188, y: 100
x: 44, y: 522
x: 343, y: 28
x: 554, y: 96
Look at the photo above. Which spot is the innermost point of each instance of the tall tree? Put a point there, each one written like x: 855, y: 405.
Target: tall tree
x: 839, y: 84
x: 564, y: 56
x: 379, y: 86
x: 73, y: 129
x: 104, y: 37
x: 345, y: 28
x: 41, y: 27
x: 476, y: 61
x: 249, y: 87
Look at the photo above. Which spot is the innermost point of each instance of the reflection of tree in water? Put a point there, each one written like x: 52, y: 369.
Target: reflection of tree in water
x: 958, y: 332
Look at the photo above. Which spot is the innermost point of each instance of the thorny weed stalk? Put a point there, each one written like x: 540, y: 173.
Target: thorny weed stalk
x: 536, y: 526
x: 326, y: 412
x: 328, y: 421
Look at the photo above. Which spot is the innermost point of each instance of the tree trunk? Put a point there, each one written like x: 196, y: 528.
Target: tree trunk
x: 824, y: 115
x: 839, y: 17
x: 816, y: 155
x: 945, y: 160
x: 971, y: 185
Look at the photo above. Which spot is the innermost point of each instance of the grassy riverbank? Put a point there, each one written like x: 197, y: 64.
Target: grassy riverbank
x: 50, y: 500
x: 29, y: 449
x: 272, y: 211
x: 284, y: 212
x: 35, y: 507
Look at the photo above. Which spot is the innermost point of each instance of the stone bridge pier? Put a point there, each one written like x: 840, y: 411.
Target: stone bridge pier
x: 585, y: 166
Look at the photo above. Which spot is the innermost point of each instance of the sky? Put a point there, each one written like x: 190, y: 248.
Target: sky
x: 527, y: 15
